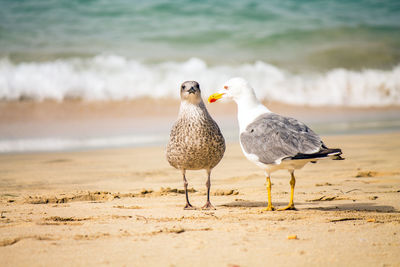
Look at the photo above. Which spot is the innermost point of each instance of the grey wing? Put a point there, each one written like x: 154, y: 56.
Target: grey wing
x: 273, y: 137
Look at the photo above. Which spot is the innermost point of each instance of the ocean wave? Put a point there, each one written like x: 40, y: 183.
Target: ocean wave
x: 112, y: 77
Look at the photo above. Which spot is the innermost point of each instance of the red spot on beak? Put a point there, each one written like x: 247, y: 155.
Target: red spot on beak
x: 215, y: 97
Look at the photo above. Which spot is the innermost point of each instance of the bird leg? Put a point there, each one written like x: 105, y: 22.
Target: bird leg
x: 290, y: 206
x: 208, y: 205
x: 269, y: 207
x: 185, y: 185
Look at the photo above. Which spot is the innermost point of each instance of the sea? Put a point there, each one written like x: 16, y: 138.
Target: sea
x: 306, y: 53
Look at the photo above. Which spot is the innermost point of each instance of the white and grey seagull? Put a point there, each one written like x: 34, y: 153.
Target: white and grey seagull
x: 272, y: 141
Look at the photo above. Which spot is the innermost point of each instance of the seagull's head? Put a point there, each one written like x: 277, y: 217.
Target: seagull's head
x: 190, y: 91
x: 235, y: 88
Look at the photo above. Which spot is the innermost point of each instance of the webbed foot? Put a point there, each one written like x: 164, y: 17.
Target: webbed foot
x: 289, y: 207
x: 208, y: 206
x: 189, y: 207
x: 268, y: 208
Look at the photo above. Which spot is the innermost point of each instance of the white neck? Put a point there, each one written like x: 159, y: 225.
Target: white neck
x: 249, y: 108
x: 188, y: 109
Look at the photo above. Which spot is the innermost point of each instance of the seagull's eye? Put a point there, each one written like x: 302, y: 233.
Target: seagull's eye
x: 226, y: 87
x: 252, y: 130
x: 183, y: 87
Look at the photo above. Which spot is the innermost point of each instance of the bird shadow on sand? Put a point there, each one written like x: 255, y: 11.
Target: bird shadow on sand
x: 250, y: 204
x: 368, y: 207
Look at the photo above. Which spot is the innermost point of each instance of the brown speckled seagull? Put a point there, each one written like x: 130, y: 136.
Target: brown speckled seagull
x: 195, y: 141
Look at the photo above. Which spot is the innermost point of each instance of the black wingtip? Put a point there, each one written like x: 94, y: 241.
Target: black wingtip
x: 334, y: 153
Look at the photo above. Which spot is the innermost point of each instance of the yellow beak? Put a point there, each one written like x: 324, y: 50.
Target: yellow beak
x: 215, y: 97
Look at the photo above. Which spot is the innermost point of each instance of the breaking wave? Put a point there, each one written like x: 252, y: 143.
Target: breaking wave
x: 112, y: 77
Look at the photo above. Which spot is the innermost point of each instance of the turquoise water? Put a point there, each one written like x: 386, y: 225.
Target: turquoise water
x: 291, y: 34
x: 316, y: 53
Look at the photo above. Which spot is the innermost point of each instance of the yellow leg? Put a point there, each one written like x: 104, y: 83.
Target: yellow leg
x: 269, y: 207
x: 290, y: 206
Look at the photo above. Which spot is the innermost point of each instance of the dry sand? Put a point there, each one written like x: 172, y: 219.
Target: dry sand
x: 124, y: 208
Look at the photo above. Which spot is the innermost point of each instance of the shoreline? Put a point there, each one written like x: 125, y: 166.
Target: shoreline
x: 79, y: 125
x: 149, y: 107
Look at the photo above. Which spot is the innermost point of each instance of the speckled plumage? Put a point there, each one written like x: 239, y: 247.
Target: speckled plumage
x: 195, y: 141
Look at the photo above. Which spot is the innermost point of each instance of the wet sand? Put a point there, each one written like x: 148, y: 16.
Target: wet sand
x: 27, y: 119
x: 124, y: 207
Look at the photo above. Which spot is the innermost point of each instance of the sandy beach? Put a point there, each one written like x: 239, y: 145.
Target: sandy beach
x: 123, y: 207
x: 89, y: 91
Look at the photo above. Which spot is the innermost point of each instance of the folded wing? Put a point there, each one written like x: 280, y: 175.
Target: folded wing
x: 272, y: 138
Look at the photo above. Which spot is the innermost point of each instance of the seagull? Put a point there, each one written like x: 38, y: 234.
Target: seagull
x: 195, y: 141
x: 273, y: 142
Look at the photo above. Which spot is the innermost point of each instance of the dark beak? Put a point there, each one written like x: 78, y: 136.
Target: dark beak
x: 192, y: 91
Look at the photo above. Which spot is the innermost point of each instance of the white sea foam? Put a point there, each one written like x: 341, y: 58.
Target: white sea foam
x: 110, y: 77
x: 58, y: 144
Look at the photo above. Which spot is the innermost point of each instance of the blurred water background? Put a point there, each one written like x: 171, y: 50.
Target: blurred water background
x: 305, y: 53
x: 299, y: 52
